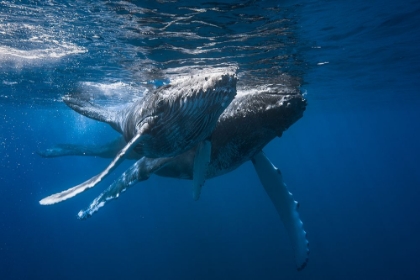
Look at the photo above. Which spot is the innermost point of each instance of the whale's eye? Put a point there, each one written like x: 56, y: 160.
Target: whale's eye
x: 160, y: 105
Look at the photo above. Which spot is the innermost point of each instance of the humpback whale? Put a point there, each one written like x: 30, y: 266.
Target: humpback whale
x: 249, y: 123
x: 164, y: 123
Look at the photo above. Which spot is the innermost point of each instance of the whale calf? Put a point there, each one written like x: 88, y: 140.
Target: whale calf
x: 250, y: 122
x: 166, y: 122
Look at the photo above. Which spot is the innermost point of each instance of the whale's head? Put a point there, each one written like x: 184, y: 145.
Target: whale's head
x: 266, y: 109
x: 252, y: 120
x: 280, y: 111
x: 176, y: 117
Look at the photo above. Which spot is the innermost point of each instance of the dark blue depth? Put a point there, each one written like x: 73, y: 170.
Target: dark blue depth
x: 352, y: 162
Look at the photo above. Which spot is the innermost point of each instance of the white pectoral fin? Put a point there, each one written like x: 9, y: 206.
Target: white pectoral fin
x: 140, y: 171
x: 201, y: 164
x: 286, y: 206
x: 69, y: 193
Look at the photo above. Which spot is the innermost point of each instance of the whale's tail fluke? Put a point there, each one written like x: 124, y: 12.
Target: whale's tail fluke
x: 84, y: 106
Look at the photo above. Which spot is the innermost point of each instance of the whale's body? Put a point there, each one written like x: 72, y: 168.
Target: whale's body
x: 249, y: 123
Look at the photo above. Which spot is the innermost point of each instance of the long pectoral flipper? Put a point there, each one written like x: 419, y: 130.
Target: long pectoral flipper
x: 138, y: 172
x: 201, y: 164
x: 286, y: 206
x: 64, y: 195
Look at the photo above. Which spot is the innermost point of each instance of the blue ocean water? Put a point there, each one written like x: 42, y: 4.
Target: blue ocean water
x: 352, y: 161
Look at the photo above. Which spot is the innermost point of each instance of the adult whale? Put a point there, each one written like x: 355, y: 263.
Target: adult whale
x: 164, y: 123
x: 250, y: 122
